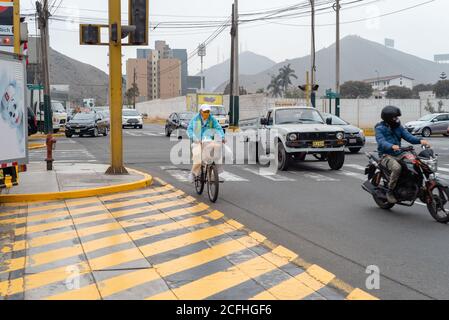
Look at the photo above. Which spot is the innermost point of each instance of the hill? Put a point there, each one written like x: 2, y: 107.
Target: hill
x: 250, y: 64
x: 360, y: 58
x: 85, y: 81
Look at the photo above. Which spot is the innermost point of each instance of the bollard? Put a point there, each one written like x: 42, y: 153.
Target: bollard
x: 51, y: 145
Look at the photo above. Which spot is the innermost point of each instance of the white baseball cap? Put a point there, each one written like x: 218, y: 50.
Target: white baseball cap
x: 205, y: 107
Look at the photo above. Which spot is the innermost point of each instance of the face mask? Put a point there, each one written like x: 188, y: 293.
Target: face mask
x: 395, y: 124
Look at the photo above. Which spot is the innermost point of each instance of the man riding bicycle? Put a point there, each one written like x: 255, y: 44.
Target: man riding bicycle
x: 389, y: 134
x: 202, y: 128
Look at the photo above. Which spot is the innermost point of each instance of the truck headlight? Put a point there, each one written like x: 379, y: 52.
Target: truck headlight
x: 292, y: 137
x: 340, y: 135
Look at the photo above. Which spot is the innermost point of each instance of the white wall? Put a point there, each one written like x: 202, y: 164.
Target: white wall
x: 364, y: 113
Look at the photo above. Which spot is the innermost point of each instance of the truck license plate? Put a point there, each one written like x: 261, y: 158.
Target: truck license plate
x: 318, y: 144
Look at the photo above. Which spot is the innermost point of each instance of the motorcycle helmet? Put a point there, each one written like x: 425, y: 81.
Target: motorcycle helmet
x: 390, y: 115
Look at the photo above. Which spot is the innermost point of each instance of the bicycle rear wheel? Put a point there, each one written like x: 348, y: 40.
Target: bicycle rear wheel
x: 199, y: 183
x: 213, y: 183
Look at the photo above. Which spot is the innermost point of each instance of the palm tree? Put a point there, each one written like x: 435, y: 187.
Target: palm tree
x: 285, y: 75
x: 274, y: 88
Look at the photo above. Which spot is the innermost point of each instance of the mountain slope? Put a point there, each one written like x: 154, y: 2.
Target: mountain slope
x: 250, y: 64
x: 85, y: 80
x: 360, y: 58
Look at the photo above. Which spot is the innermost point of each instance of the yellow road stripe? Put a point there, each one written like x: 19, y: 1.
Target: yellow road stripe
x: 202, y: 257
x: 116, y: 258
x: 358, y: 294
x: 112, y: 285
x: 144, y: 200
x: 300, y: 286
x: 153, y: 207
x: 220, y: 281
x: 136, y: 193
x: 40, y: 279
x: 86, y: 293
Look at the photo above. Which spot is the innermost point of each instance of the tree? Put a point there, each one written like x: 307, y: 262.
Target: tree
x: 243, y: 91
x: 420, y: 88
x: 132, y: 93
x: 396, y: 92
x: 294, y: 93
x: 284, y: 77
x: 441, y: 89
x: 275, y: 88
x: 356, y: 90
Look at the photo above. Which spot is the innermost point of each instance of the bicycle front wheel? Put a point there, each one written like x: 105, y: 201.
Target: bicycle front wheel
x: 213, y: 183
x: 199, y: 183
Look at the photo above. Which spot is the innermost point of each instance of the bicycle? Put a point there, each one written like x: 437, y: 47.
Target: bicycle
x: 209, y: 177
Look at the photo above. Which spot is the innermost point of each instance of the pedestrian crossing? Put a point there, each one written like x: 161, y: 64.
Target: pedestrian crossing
x: 143, y: 133
x: 313, y: 173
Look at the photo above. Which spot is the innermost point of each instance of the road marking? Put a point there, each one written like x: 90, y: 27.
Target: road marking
x: 151, y: 134
x: 220, y: 281
x: 318, y: 177
x: 351, y: 174
x: 267, y: 174
x: 230, y: 177
x: 356, y: 166
x: 358, y: 294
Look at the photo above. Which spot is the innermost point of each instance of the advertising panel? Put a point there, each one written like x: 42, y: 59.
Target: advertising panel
x: 13, y: 112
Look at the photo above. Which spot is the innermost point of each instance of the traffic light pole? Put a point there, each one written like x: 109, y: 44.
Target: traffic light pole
x: 337, y: 83
x: 16, y: 7
x: 115, y: 91
x: 236, y: 85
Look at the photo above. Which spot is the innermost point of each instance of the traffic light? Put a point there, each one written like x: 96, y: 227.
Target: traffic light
x: 138, y: 17
x: 90, y: 34
x: 7, y: 41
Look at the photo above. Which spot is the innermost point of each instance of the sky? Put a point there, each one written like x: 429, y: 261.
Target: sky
x: 421, y: 31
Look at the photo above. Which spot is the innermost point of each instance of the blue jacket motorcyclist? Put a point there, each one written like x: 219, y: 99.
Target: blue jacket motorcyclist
x: 389, y: 134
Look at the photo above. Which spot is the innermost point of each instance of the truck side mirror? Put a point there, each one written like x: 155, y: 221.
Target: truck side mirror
x: 263, y: 121
x: 329, y: 121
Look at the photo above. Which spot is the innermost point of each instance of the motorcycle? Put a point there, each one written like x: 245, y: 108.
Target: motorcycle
x: 418, y: 180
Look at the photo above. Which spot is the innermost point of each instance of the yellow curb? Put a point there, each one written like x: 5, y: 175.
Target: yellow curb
x: 44, y: 136
x: 369, y: 132
x: 36, y: 146
x: 84, y: 193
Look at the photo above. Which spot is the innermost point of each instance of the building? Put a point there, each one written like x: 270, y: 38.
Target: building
x: 139, y: 71
x: 193, y: 84
x: 164, y: 50
x: 169, y: 78
x: 181, y: 55
x: 382, y: 83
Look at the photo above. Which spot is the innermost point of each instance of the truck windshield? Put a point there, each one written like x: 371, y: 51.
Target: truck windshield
x: 57, y: 107
x: 294, y: 116
x: 218, y: 111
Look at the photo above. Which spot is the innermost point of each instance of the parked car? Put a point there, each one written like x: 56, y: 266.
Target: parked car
x: 131, y: 118
x: 91, y: 124
x: 59, y: 115
x: 177, y: 121
x: 354, y: 136
x: 430, y: 124
x: 219, y: 112
x: 32, y: 122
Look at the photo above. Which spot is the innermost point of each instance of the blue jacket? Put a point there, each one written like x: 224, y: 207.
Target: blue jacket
x: 199, y: 130
x: 386, y: 138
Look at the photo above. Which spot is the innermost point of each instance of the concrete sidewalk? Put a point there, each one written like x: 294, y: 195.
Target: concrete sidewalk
x: 68, y: 177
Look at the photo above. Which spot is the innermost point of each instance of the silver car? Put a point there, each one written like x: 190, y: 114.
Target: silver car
x: 437, y: 123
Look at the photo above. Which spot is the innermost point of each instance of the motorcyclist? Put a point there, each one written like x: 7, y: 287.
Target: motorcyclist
x: 203, y: 128
x: 389, y: 134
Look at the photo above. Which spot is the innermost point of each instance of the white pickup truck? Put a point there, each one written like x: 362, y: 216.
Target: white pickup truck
x: 297, y: 132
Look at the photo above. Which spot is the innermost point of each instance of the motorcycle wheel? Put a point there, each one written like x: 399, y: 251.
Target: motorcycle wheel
x: 383, y: 204
x: 439, y: 207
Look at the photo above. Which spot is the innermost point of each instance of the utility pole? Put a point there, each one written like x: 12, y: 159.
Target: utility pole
x: 313, y: 61
x: 337, y: 71
x: 134, y: 86
x: 235, y: 106
x: 231, y: 80
x: 17, y: 32
x: 202, y: 54
x: 44, y: 14
x: 115, y: 89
